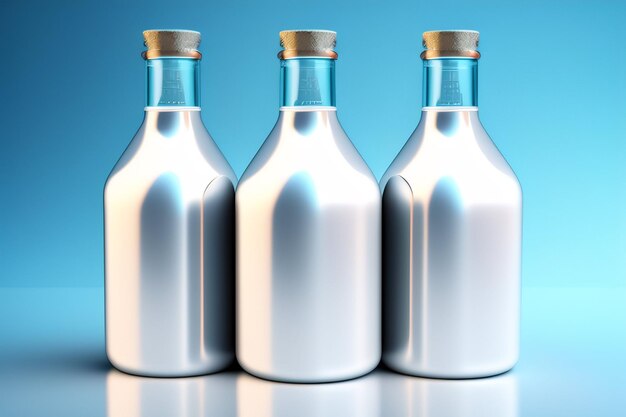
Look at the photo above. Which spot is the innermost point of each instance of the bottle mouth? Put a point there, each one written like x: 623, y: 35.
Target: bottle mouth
x: 430, y: 54
x: 158, y: 53
x: 291, y: 54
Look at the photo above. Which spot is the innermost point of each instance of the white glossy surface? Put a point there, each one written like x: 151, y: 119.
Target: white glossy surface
x: 452, y: 217
x: 308, y: 254
x: 169, y: 250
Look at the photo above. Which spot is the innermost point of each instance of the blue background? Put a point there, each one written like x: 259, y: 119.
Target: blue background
x: 552, y: 95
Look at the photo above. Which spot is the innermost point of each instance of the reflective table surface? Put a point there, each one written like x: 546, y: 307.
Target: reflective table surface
x: 52, y: 363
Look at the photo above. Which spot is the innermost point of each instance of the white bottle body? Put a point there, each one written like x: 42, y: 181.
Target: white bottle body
x: 169, y: 250
x: 452, y: 213
x: 308, y: 254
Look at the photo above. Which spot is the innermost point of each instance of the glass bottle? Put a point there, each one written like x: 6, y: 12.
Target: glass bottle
x: 169, y: 229
x: 308, y: 234
x: 452, y: 215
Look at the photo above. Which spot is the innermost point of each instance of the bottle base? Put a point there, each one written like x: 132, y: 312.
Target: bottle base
x: 330, y: 378
x: 434, y: 374
x: 212, y: 368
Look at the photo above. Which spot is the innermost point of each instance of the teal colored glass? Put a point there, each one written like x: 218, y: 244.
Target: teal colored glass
x: 450, y: 82
x: 307, y: 82
x: 173, y: 81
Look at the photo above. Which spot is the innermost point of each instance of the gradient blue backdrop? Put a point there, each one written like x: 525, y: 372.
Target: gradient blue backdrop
x: 552, y: 95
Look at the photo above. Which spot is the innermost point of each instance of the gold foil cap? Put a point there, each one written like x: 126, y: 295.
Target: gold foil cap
x: 300, y: 43
x: 450, y: 43
x: 171, y: 42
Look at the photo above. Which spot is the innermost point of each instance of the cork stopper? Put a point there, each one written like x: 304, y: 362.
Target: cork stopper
x: 450, y: 43
x: 171, y: 42
x: 308, y: 43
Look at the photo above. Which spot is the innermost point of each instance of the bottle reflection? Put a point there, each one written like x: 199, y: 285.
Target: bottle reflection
x: 133, y: 396
x: 423, y: 397
x: 260, y: 398
x: 381, y: 393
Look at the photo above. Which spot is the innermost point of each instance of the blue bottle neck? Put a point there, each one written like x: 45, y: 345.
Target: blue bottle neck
x: 307, y: 82
x: 173, y: 82
x: 450, y: 82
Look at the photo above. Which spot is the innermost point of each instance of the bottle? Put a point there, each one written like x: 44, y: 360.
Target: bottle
x: 308, y: 234
x: 452, y: 215
x: 169, y: 229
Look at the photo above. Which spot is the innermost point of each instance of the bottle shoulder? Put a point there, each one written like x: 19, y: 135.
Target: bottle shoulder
x: 323, y: 152
x: 328, y: 183
x: 191, y: 156
x: 466, y: 157
x: 317, y: 180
